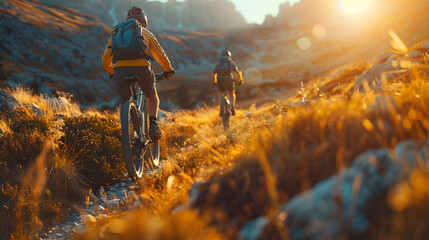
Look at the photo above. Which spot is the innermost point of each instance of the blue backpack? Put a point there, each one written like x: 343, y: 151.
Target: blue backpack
x: 127, y: 41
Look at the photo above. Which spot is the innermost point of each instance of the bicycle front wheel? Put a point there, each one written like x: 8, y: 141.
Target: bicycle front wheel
x: 131, y: 123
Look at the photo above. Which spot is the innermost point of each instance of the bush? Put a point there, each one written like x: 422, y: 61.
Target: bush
x: 94, y: 145
x: 46, y: 163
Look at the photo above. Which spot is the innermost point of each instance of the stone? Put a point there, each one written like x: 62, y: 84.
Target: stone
x: 7, y: 102
x: 383, y: 69
x: 80, y: 229
x: 88, y: 219
x: 425, y: 46
x: 324, y: 211
x: 36, y: 109
x: 415, y: 54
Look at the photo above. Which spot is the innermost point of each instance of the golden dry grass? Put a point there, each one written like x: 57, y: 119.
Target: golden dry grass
x: 269, y: 155
x: 47, y: 158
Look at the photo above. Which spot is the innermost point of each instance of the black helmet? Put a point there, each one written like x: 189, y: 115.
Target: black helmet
x: 226, y: 53
x: 138, y: 13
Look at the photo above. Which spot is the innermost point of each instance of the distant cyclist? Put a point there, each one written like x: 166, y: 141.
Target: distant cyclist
x: 223, y: 77
x: 126, y: 54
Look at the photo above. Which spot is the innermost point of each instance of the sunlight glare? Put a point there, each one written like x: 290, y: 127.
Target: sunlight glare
x: 354, y: 6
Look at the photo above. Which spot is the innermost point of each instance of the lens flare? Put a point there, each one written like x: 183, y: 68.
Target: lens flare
x: 354, y: 6
x: 253, y: 76
x: 319, y: 31
x: 304, y: 43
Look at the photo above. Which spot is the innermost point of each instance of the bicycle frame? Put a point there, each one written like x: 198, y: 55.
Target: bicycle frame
x: 140, y: 102
x: 225, y: 105
x: 140, y: 151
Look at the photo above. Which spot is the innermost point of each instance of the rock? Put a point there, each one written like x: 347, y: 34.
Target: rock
x: 80, y: 229
x: 425, y: 46
x: 88, y: 219
x: 383, y: 58
x: 7, y: 102
x: 98, y: 209
x: 59, y: 104
x: 383, y: 68
x: 132, y: 194
x: 114, y: 203
x: 324, y: 211
x: 415, y: 54
x: 252, y: 229
x: 36, y: 110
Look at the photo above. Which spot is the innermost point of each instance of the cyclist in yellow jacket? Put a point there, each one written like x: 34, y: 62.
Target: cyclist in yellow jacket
x: 127, y: 65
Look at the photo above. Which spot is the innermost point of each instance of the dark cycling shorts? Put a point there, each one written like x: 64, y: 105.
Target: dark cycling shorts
x: 146, y: 82
x: 226, y: 84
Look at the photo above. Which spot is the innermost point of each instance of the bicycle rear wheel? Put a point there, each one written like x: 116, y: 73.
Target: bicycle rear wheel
x: 131, y: 133
x: 225, y: 112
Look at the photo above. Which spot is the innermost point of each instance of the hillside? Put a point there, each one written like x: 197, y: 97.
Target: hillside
x: 53, y: 47
x: 262, y: 178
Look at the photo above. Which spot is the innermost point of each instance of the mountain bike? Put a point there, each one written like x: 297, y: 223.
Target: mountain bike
x: 225, y: 110
x: 225, y: 107
x: 140, y: 152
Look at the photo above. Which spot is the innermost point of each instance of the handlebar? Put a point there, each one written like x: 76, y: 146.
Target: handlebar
x: 163, y: 75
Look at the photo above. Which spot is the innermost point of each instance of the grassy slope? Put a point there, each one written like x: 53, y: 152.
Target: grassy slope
x: 272, y: 154
x: 269, y: 155
x: 48, y: 160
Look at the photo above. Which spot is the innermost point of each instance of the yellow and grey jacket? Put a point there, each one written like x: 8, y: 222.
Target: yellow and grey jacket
x: 153, y: 45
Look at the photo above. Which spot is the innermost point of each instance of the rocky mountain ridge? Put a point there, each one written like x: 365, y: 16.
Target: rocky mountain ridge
x: 172, y: 15
x: 49, y: 46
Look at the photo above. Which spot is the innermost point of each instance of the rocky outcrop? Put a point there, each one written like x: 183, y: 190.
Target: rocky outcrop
x: 390, y: 67
x: 7, y: 102
x: 336, y: 206
x: 53, y: 48
x: 172, y: 15
x: 384, y: 68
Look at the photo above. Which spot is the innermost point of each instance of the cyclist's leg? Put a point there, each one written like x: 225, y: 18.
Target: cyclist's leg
x: 123, y: 85
x: 221, y: 88
x: 147, y: 84
x: 153, y: 104
x: 220, y: 97
x: 232, y: 97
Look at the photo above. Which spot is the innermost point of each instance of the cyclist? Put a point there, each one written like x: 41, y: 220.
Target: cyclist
x: 223, y: 77
x: 118, y: 65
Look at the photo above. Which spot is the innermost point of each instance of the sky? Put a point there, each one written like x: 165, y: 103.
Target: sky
x: 254, y: 11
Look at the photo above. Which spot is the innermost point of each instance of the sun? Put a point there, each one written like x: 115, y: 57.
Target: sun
x: 353, y: 7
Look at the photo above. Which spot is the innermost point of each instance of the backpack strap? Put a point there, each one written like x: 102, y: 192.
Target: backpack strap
x: 112, y: 46
x: 140, y: 37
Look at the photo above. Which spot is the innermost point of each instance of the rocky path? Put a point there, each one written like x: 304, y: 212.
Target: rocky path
x: 113, y: 199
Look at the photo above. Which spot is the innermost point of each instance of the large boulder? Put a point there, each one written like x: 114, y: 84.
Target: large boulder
x: 335, y: 207
x: 59, y: 104
x: 386, y: 67
x: 420, y: 53
x: 425, y: 46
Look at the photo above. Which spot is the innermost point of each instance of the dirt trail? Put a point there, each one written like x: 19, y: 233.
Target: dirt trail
x: 120, y: 197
